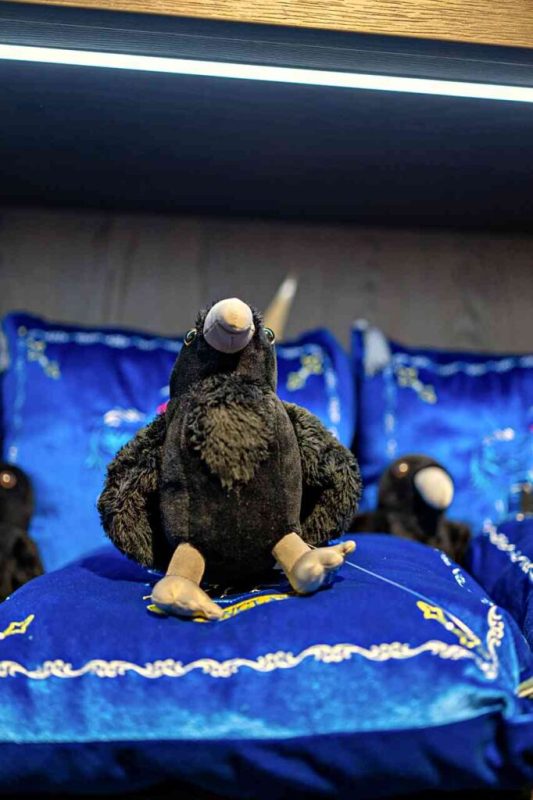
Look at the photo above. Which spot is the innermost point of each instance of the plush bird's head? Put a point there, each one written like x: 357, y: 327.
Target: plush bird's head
x: 416, y: 484
x: 228, y: 338
x: 415, y: 493
x: 16, y: 496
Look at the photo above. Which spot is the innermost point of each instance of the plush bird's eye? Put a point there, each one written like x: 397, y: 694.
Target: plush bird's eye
x: 7, y: 480
x: 402, y: 469
x: 190, y: 336
x: 271, y: 336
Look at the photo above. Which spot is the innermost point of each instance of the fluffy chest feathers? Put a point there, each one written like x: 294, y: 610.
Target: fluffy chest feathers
x: 231, y: 423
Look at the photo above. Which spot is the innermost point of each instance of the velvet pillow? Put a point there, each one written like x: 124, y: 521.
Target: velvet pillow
x: 401, y: 677
x: 473, y: 413
x: 501, y: 560
x: 73, y: 396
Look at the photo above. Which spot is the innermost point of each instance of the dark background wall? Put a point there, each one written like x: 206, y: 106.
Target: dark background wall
x: 463, y: 289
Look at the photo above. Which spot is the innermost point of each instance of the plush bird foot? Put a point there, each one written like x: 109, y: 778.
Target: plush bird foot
x: 314, y: 567
x: 184, y: 598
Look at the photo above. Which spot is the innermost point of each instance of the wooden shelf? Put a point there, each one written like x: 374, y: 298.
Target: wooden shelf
x: 475, y: 21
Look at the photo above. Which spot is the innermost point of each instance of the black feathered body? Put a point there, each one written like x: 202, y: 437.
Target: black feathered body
x: 161, y: 489
x: 231, y: 481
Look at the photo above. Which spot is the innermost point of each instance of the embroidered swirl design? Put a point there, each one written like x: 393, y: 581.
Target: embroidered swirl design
x: 270, y: 662
x: 501, y: 542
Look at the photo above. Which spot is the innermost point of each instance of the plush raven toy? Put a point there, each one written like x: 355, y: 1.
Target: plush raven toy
x: 229, y: 479
x: 19, y: 557
x: 414, y: 494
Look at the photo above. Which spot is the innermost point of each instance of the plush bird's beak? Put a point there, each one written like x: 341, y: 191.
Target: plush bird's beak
x: 229, y: 325
x: 435, y: 487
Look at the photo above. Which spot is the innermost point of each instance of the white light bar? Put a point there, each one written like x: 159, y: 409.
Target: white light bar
x: 253, y: 72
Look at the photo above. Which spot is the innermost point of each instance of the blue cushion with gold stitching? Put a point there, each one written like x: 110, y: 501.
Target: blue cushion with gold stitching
x: 471, y: 412
x: 402, y: 676
x: 73, y: 396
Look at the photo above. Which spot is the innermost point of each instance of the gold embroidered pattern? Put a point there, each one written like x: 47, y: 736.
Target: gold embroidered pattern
x: 466, y: 637
x: 231, y: 611
x: 312, y: 364
x: 37, y: 352
x: 17, y: 627
x: 486, y: 659
x: 246, y: 605
x: 408, y: 378
x: 525, y: 689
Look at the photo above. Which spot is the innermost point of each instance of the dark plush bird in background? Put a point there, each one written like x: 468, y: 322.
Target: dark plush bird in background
x: 19, y: 557
x: 414, y: 493
x: 229, y: 479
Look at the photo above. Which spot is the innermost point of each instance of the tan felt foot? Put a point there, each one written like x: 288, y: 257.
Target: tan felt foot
x: 183, y: 597
x: 315, y: 566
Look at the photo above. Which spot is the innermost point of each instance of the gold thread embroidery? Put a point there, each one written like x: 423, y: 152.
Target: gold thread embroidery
x: 248, y: 603
x: 230, y: 611
x: 169, y: 668
x: 466, y: 637
x: 310, y: 365
x: 17, y: 627
x: 36, y: 352
x: 408, y: 379
x: 525, y: 689
x: 487, y: 661
x: 156, y: 610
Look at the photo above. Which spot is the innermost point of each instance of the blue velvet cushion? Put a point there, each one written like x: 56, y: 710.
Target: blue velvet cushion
x: 501, y: 560
x: 73, y: 396
x: 402, y: 676
x: 472, y: 413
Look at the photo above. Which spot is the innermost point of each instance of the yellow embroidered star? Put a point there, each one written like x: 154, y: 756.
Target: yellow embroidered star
x: 17, y: 627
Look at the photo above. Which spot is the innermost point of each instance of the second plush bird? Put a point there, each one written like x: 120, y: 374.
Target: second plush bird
x: 414, y: 494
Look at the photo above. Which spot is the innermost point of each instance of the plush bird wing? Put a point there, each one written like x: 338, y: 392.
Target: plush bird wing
x: 330, y: 477
x: 129, y: 503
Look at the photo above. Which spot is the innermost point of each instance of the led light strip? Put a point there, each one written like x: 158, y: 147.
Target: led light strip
x: 302, y: 76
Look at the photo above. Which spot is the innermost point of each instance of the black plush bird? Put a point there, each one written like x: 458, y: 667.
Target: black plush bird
x: 19, y: 557
x: 414, y: 493
x: 229, y: 479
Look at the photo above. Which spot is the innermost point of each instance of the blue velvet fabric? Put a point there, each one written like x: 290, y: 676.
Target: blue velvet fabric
x: 73, y: 396
x: 401, y: 676
x: 472, y: 413
x: 501, y: 560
